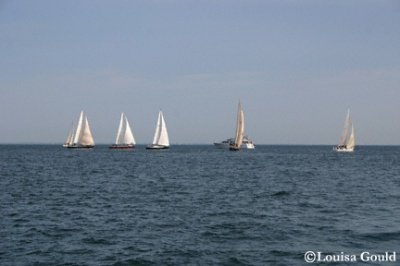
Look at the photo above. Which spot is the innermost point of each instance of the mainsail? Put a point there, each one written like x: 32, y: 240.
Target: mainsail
x: 239, y: 128
x: 78, y: 131
x: 345, y: 134
x: 347, y: 140
x: 86, y: 137
x: 351, y: 142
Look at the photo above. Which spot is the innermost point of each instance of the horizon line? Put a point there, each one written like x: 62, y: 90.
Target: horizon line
x: 194, y: 144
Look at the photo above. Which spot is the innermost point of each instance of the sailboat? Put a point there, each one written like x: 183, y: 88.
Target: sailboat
x: 239, y: 130
x: 124, y: 139
x: 160, y: 140
x: 347, y: 141
x: 247, y: 143
x: 81, y: 136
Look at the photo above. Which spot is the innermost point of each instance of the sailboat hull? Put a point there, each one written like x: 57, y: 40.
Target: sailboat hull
x: 342, y: 149
x: 122, y: 147
x: 80, y: 146
x: 246, y: 144
x: 156, y: 147
x: 249, y: 146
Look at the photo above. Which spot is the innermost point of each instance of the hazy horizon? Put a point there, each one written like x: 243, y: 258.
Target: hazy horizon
x: 296, y: 66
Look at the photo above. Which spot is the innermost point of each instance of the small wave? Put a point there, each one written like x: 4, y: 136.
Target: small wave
x: 20, y: 220
x: 281, y: 193
x: 280, y: 253
x: 78, y: 251
x: 385, y: 236
x: 235, y: 261
x: 134, y: 262
x: 97, y: 241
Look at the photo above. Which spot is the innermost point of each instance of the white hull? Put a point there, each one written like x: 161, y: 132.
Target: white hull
x: 156, y: 147
x: 341, y: 149
x: 122, y: 146
x: 226, y: 144
x: 248, y: 146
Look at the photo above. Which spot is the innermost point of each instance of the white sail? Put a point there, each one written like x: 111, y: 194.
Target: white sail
x: 351, y: 142
x: 239, y: 127
x: 347, y: 140
x: 124, y: 134
x: 128, y: 137
x: 78, y: 129
x: 164, y: 139
x: 345, y: 133
x: 86, y: 137
x: 161, y: 133
x: 158, y: 130
x: 81, y: 136
x: 70, y: 138
x: 119, y: 139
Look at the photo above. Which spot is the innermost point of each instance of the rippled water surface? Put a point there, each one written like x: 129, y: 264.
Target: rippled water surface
x: 195, y: 205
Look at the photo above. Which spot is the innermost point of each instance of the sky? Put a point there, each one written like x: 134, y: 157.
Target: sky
x: 295, y: 65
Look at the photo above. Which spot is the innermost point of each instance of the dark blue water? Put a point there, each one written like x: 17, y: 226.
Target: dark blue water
x: 195, y: 205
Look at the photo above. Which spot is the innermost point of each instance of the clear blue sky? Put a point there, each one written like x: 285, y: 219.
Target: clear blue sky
x: 295, y: 65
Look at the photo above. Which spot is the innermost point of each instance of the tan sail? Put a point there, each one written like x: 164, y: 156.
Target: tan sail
x: 351, y: 143
x: 239, y: 128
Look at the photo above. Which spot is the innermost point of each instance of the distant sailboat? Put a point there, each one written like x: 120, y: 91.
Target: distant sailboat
x: 70, y: 138
x: 160, y: 140
x: 124, y: 139
x: 81, y: 137
x: 247, y: 143
x: 347, y: 141
x: 239, y: 130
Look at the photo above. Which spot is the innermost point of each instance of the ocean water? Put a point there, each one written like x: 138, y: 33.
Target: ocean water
x: 196, y: 205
